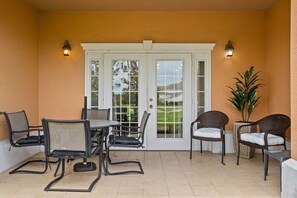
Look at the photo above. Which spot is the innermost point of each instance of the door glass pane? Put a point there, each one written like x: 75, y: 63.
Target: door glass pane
x: 169, y: 98
x: 125, y: 91
x: 95, y: 84
x: 200, y: 79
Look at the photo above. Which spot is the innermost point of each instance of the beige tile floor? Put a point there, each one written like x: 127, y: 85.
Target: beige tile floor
x: 167, y: 174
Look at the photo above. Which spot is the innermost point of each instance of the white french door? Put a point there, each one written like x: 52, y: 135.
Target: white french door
x: 125, y: 87
x: 169, y: 101
x: 170, y: 81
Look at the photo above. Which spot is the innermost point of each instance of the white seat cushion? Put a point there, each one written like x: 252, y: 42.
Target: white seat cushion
x: 208, y: 132
x: 258, y: 138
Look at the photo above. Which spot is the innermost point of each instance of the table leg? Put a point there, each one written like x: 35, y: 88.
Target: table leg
x: 280, y: 175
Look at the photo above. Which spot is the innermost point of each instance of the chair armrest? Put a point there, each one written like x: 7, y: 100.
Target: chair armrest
x: 125, y: 131
x: 21, y: 131
x: 129, y: 127
x: 222, y: 129
x: 246, y: 125
x: 40, y: 126
x: 192, y: 125
x: 269, y: 132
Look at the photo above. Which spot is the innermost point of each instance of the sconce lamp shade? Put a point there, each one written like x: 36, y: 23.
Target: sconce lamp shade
x: 229, y: 49
x: 66, y: 48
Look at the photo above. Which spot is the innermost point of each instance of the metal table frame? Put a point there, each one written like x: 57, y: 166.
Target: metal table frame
x: 96, y: 124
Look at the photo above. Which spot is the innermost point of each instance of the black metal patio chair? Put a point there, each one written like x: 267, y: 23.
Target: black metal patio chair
x: 127, y: 137
x: 88, y: 114
x: 70, y: 140
x: 21, y: 134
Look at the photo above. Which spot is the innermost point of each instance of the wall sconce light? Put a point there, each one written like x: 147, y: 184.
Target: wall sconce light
x: 66, y: 48
x: 229, y: 49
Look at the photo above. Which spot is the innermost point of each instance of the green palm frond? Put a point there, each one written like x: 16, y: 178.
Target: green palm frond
x: 244, y: 96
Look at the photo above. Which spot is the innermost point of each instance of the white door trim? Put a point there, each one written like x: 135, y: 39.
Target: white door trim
x: 148, y: 46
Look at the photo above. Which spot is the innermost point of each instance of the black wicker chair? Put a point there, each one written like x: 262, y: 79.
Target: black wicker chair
x: 128, y: 137
x: 21, y: 134
x: 210, y: 127
x: 271, y: 132
x: 70, y: 140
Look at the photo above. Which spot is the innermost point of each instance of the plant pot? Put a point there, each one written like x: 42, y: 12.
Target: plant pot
x: 245, y: 151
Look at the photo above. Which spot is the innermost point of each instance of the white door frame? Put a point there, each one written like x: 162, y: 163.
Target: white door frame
x: 199, y: 51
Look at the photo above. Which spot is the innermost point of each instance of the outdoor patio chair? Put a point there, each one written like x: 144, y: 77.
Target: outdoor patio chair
x: 271, y: 132
x: 97, y: 114
x: 70, y: 140
x: 127, y: 137
x: 210, y: 127
x: 21, y: 134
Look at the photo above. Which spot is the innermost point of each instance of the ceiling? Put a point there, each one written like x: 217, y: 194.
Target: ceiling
x: 151, y: 5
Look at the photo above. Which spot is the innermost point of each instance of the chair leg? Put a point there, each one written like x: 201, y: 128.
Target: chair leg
x: 191, y: 148
x: 58, y: 167
x: 263, y: 155
x: 46, y: 161
x: 238, y: 152
x: 106, y: 171
x: 200, y: 146
x: 285, y: 146
x: 224, y: 146
x: 89, y: 189
x: 223, y: 152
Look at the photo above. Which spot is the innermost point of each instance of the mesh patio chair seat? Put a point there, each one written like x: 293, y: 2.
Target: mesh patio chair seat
x: 210, y: 127
x: 271, y: 132
x: 70, y: 140
x: 121, y: 138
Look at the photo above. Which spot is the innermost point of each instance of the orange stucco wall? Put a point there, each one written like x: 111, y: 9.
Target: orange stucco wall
x: 18, y: 60
x: 42, y: 80
x: 62, y: 79
x: 278, y: 58
x: 294, y: 78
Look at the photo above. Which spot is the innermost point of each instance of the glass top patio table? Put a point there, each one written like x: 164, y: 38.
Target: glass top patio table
x: 98, y: 124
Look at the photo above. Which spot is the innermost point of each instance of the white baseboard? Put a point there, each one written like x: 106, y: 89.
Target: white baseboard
x: 15, y: 155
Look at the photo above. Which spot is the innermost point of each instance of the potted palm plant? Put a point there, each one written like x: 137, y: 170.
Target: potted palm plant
x: 245, y: 99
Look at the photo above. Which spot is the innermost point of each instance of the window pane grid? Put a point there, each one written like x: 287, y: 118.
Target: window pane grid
x: 125, y: 92
x: 95, y: 84
x: 200, y: 78
x: 169, y: 98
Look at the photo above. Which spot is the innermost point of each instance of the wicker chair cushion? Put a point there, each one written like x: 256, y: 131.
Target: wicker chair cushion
x: 30, y: 140
x: 208, y: 132
x: 123, y: 140
x: 258, y: 138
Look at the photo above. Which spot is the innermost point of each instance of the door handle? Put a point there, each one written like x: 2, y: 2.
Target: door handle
x: 151, y: 106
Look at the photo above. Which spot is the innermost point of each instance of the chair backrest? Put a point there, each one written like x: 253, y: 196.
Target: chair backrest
x: 63, y: 136
x: 100, y: 114
x: 143, y: 123
x: 276, y: 124
x: 215, y: 119
x: 17, y: 121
